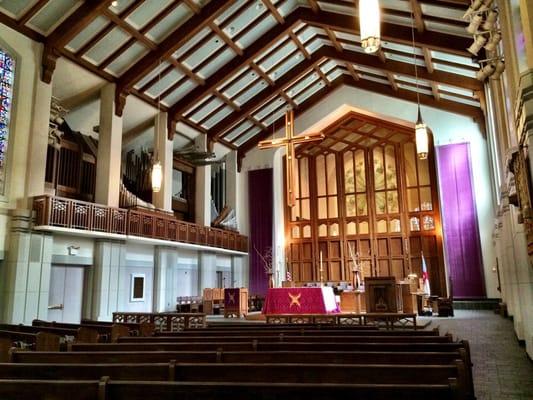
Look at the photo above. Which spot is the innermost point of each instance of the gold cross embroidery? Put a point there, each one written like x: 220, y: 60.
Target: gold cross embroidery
x: 289, y: 141
x: 295, y: 299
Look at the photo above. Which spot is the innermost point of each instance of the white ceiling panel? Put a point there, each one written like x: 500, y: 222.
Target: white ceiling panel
x: 109, y: 43
x: 170, y: 23
x: 180, y: 92
x: 87, y: 33
x: 146, y: 12
x: 52, y: 14
x: 127, y: 59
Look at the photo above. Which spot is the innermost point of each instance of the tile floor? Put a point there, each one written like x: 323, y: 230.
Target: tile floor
x: 502, y: 370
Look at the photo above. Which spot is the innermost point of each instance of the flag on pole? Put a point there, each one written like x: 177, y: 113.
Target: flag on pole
x: 425, y: 276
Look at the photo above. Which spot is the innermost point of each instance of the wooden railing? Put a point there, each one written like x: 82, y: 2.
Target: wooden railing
x: 75, y: 214
x: 163, y: 322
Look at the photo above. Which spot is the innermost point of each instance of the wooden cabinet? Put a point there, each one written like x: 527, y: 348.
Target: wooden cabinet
x: 381, y: 294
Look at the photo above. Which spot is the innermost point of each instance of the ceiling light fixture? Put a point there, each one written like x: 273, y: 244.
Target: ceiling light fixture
x: 157, y: 169
x: 114, y: 3
x: 369, y: 24
x: 421, y: 131
x: 493, y: 41
x: 475, y: 22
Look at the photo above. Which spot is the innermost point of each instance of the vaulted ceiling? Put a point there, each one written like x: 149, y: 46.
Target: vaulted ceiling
x: 230, y: 68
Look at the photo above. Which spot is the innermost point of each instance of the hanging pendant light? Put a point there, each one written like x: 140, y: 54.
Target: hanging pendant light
x: 421, y: 130
x: 157, y: 169
x: 369, y: 23
x: 421, y: 137
x: 157, y: 176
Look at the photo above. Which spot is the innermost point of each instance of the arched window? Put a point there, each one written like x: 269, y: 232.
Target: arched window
x: 7, y: 78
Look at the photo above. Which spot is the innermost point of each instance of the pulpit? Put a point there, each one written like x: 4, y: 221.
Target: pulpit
x: 381, y: 295
x: 235, y: 302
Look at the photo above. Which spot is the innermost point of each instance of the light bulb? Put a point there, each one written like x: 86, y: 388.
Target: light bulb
x: 490, y: 20
x: 499, y: 67
x: 493, y: 42
x: 157, y: 176
x: 114, y: 3
x: 479, y: 41
x: 485, y: 72
x: 474, y: 24
x: 421, y: 137
x: 370, y: 25
x: 475, y: 5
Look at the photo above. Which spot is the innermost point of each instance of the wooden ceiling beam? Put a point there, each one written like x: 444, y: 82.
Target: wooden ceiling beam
x: 428, y: 59
x: 314, y: 6
x: 32, y: 11
x: 167, y: 47
x: 352, y: 71
x: 419, y: 17
x: 409, y: 95
x: 401, y: 68
x: 392, y: 32
x: 76, y: 22
x: 65, y: 31
x: 233, y: 66
x: 273, y: 9
x: 333, y: 39
x: 265, y: 95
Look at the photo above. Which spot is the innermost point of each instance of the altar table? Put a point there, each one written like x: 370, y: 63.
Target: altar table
x: 300, y: 300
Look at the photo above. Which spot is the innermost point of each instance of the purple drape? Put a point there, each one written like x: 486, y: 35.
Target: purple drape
x: 460, y: 224
x: 260, y: 195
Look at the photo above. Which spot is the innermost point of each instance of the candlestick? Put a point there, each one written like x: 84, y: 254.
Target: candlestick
x: 321, y: 269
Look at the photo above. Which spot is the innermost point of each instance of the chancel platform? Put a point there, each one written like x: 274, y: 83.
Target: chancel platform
x: 302, y: 300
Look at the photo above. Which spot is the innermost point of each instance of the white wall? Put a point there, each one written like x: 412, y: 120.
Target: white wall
x: 447, y: 128
x: 186, y: 281
x: 139, y: 260
x: 61, y: 244
x: 27, y: 58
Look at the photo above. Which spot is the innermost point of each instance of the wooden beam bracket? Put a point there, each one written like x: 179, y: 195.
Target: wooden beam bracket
x: 49, y: 59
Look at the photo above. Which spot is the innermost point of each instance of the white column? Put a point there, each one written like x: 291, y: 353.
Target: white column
x: 232, y: 182
x: 207, y: 266
x: 27, y: 272
x: 165, y: 262
x: 203, y: 188
x: 108, y: 167
x: 238, y: 271
x: 164, y: 151
x: 109, y: 258
x: 39, y: 138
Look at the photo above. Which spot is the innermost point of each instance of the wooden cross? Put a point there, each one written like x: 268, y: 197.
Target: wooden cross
x: 289, y: 141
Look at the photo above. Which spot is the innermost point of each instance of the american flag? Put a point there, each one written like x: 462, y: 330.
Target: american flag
x: 289, y: 276
x: 425, y: 276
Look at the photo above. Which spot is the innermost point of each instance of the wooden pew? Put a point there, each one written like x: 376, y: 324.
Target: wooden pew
x: 267, y: 346
x: 83, y: 334
x: 290, y: 338
x: 40, y: 341
x: 106, y: 332
x: 303, y: 357
x: 233, y: 372
x: 301, y: 332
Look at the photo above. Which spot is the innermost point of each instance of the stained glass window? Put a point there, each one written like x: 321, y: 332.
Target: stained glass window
x: 7, y: 72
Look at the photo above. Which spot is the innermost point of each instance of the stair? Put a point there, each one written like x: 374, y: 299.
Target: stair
x: 480, y: 304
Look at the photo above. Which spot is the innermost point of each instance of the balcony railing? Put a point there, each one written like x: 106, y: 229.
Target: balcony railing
x: 75, y: 214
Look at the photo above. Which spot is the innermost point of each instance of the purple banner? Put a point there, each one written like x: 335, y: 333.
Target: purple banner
x: 460, y: 224
x: 260, y: 196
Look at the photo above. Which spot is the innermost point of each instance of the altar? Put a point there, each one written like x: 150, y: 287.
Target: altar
x: 300, y: 300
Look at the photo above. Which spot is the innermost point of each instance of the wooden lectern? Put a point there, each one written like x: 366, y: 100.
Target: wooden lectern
x: 235, y: 302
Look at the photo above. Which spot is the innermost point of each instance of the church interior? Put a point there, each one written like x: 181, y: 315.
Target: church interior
x: 335, y: 195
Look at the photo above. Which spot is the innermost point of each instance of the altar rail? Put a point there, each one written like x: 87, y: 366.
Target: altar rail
x: 76, y: 214
x: 388, y: 320
x: 164, y: 322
